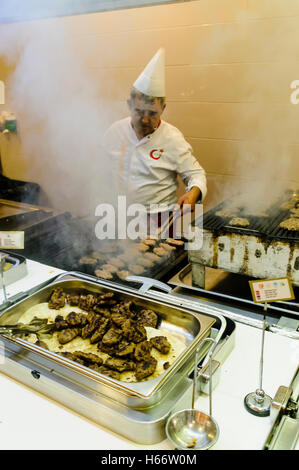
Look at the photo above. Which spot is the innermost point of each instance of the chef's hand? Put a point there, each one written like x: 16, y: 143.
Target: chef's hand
x: 190, y: 198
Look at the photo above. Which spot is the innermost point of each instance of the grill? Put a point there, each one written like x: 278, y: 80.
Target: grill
x: 267, y: 227
x: 69, y: 259
x: 260, y: 250
x: 64, y: 245
x: 16, y: 190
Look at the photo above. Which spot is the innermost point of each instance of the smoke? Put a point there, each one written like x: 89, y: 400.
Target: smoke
x: 255, y: 126
x: 61, y: 112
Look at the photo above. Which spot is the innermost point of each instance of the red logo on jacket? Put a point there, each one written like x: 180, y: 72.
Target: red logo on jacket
x: 156, y: 154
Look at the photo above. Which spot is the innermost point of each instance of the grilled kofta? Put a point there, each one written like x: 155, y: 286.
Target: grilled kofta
x: 123, y: 274
x: 143, y: 351
x: 57, y: 299
x: 161, y: 343
x: 76, y: 319
x: 67, y: 335
x: 167, y: 247
x: 239, y: 222
x: 86, y: 302
x: 153, y: 257
x: 147, y: 263
x: 145, y: 368
x: 160, y: 251
x: 117, y: 262
x: 119, y: 364
x: 147, y: 317
x: 110, y: 268
x: 125, y: 348
x: 290, y: 224
x: 175, y: 242
x: 103, y: 274
x: 136, y: 269
x: 60, y: 323
x: 112, y: 336
x: 73, y: 299
x: 90, y: 358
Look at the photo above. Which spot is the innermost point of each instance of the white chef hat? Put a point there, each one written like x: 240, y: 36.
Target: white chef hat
x: 151, y: 81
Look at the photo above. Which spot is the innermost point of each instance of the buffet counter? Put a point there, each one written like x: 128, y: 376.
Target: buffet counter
x: 29, y: 420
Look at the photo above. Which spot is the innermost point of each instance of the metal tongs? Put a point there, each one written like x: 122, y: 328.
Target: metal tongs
x: 38, y: 326
x: 168, y: 224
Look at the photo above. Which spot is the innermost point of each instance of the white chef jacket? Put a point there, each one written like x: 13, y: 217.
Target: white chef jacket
x: 146, y: 170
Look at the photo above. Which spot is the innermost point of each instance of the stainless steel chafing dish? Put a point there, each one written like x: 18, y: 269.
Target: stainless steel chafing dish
x: 123, y: 407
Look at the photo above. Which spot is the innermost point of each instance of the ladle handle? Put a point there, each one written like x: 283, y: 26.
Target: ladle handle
x: 2, y: 265
x: 197, y: 375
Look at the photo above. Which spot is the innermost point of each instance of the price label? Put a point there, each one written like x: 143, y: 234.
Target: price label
x: 271, y: 290
x: 12, y: 240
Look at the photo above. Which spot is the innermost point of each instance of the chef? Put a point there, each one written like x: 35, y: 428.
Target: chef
x: 147, y: 153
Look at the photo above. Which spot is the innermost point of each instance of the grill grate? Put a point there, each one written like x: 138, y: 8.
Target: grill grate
x: 77, y: 239
x: 260, y: 226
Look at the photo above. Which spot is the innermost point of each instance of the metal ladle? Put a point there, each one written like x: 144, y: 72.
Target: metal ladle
x: 192, y: 429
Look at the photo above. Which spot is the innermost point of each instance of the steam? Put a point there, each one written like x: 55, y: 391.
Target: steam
x: 257, y: 123
x: 61, y: 113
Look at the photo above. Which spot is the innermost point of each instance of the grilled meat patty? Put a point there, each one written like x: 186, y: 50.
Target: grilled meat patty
x: 109, y: 267
x: 113, y: 336
x: 98, y: 334
x: 119, y: 364
x: 89, y: 357
x: 60, y: 323
x: 173, y: 241
x: 159, y: 251
x: 239, y: 222
x: 125, y: 348
x: 145, y: 368
x: 161, y: 343
x: 143, y: 350
x: 136, y: 269
x: 76, y: 319
x: 153, y: 257
x: 103, y: 274
x: 167, y: 247
x: 291, y: 224
x: 57, y: 299
x: 117, y: 262
x: 133, y: 331
x: 123, y: 274
x: 149, y: 241
x: 67, y: 335
x: 147, y: 263
x: 87, y: 302
x: 73, y: 299
x: 147, y: 318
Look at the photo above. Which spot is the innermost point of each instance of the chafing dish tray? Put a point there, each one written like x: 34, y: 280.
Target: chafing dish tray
x: 192, y: 326
x: 15, y: 268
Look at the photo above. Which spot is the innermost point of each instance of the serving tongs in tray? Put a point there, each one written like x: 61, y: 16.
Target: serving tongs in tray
x: 38, y: 326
